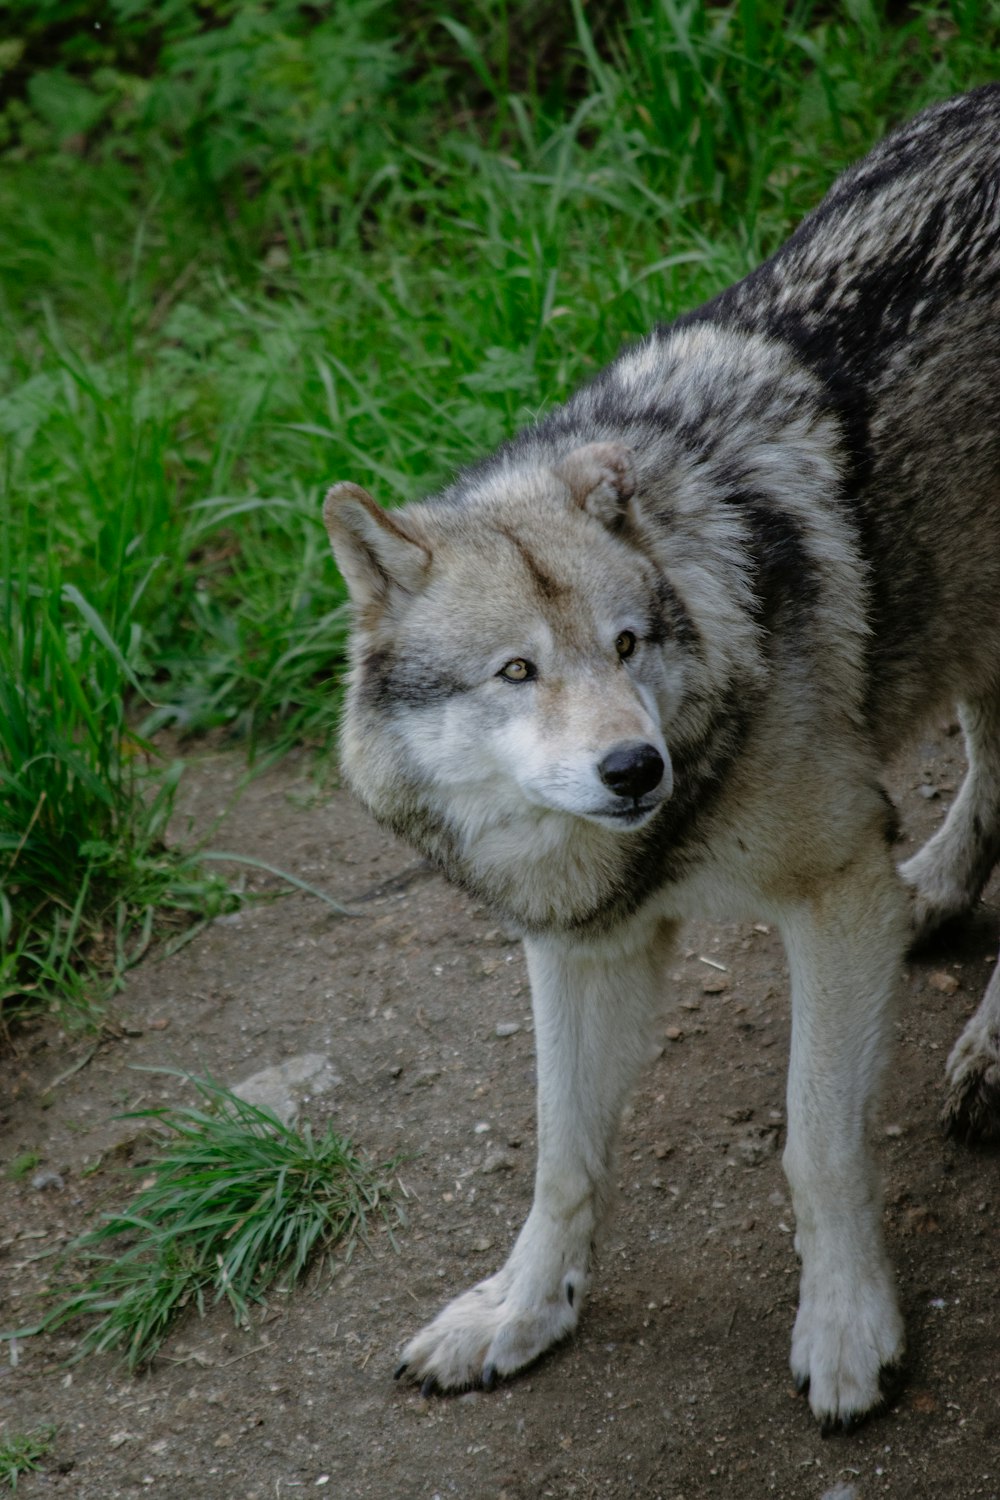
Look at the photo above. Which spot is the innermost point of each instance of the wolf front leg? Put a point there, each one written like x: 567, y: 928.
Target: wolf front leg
x: 845, y: 946
x: 595, y: 1006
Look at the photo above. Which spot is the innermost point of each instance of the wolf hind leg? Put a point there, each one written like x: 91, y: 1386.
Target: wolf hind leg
x: 948, y: 874
x: 595, y: 1008
x: 972, y: 1103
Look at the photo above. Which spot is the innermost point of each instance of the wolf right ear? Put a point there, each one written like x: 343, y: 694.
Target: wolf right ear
x: 601, y: 479
x: 374, y: 552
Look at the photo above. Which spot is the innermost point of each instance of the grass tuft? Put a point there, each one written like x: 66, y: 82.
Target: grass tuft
x: 234, y: 1204
x: 22, y: 1165
x: 22, y: 1453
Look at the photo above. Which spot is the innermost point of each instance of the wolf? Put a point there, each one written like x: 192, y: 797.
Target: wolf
x: 648, y: 660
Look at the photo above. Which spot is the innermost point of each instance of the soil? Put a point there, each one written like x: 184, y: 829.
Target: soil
x: 676, y: 1384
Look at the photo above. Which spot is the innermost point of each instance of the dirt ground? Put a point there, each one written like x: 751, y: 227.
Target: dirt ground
x: 677, y: 1382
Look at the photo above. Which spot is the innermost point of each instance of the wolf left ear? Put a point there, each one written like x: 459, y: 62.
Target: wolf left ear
x: 601, y: 479
x: 374, y: 551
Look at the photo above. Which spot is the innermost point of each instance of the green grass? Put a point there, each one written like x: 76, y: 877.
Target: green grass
x: 22, y: 1165
x: 251, y: 249
x: 22, y: 1453
x: 233, y: 1204
x: 84, y: 800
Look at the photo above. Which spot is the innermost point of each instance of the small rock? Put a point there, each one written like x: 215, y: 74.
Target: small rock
x: 426, y: 1077
x: 926, y: 790
x: 674, y: 1034
x: 716, y: 984
x: 507, y: 1028
x: 42, y: 1181
x: 285, y: 1087
x: 946, y: 983
x: 497, y: 1161
x: 841, y: 1492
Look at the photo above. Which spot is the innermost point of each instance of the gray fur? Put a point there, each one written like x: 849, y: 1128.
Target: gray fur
x: 760, y: 548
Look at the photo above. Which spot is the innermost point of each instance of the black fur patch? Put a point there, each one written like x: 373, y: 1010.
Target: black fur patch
x: 668, y: 618
x: 892, y: 827
x: 784, y: 580
x: 388, y: 682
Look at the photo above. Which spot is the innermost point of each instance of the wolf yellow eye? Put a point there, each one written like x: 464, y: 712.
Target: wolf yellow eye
x: 625, y: 645
x: 518, y: 670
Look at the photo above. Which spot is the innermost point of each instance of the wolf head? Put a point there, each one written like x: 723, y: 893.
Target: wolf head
x: 509, y: 683
x: 557, y: 661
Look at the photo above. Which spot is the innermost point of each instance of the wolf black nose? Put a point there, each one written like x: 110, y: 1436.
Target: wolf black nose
x: 631, y: 770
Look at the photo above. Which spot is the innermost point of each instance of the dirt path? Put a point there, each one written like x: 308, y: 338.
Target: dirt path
x: 677, y: 1384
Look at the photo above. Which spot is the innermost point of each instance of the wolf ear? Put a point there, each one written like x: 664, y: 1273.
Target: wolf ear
x: 373, y: 550
x: 601, y: 479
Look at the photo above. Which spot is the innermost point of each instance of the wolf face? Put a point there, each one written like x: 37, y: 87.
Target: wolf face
x: 514, y: 703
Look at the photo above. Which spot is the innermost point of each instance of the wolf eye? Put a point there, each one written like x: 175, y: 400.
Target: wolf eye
x: 518, y: 670
x: 625, y: 645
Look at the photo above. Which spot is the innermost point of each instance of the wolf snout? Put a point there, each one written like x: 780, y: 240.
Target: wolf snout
x: 632, y: 769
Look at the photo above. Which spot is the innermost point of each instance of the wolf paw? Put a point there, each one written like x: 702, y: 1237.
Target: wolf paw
x: 972, y: 1104
x: 937, y: 893
x: 846, y: 1352
x: 489, y: 1331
